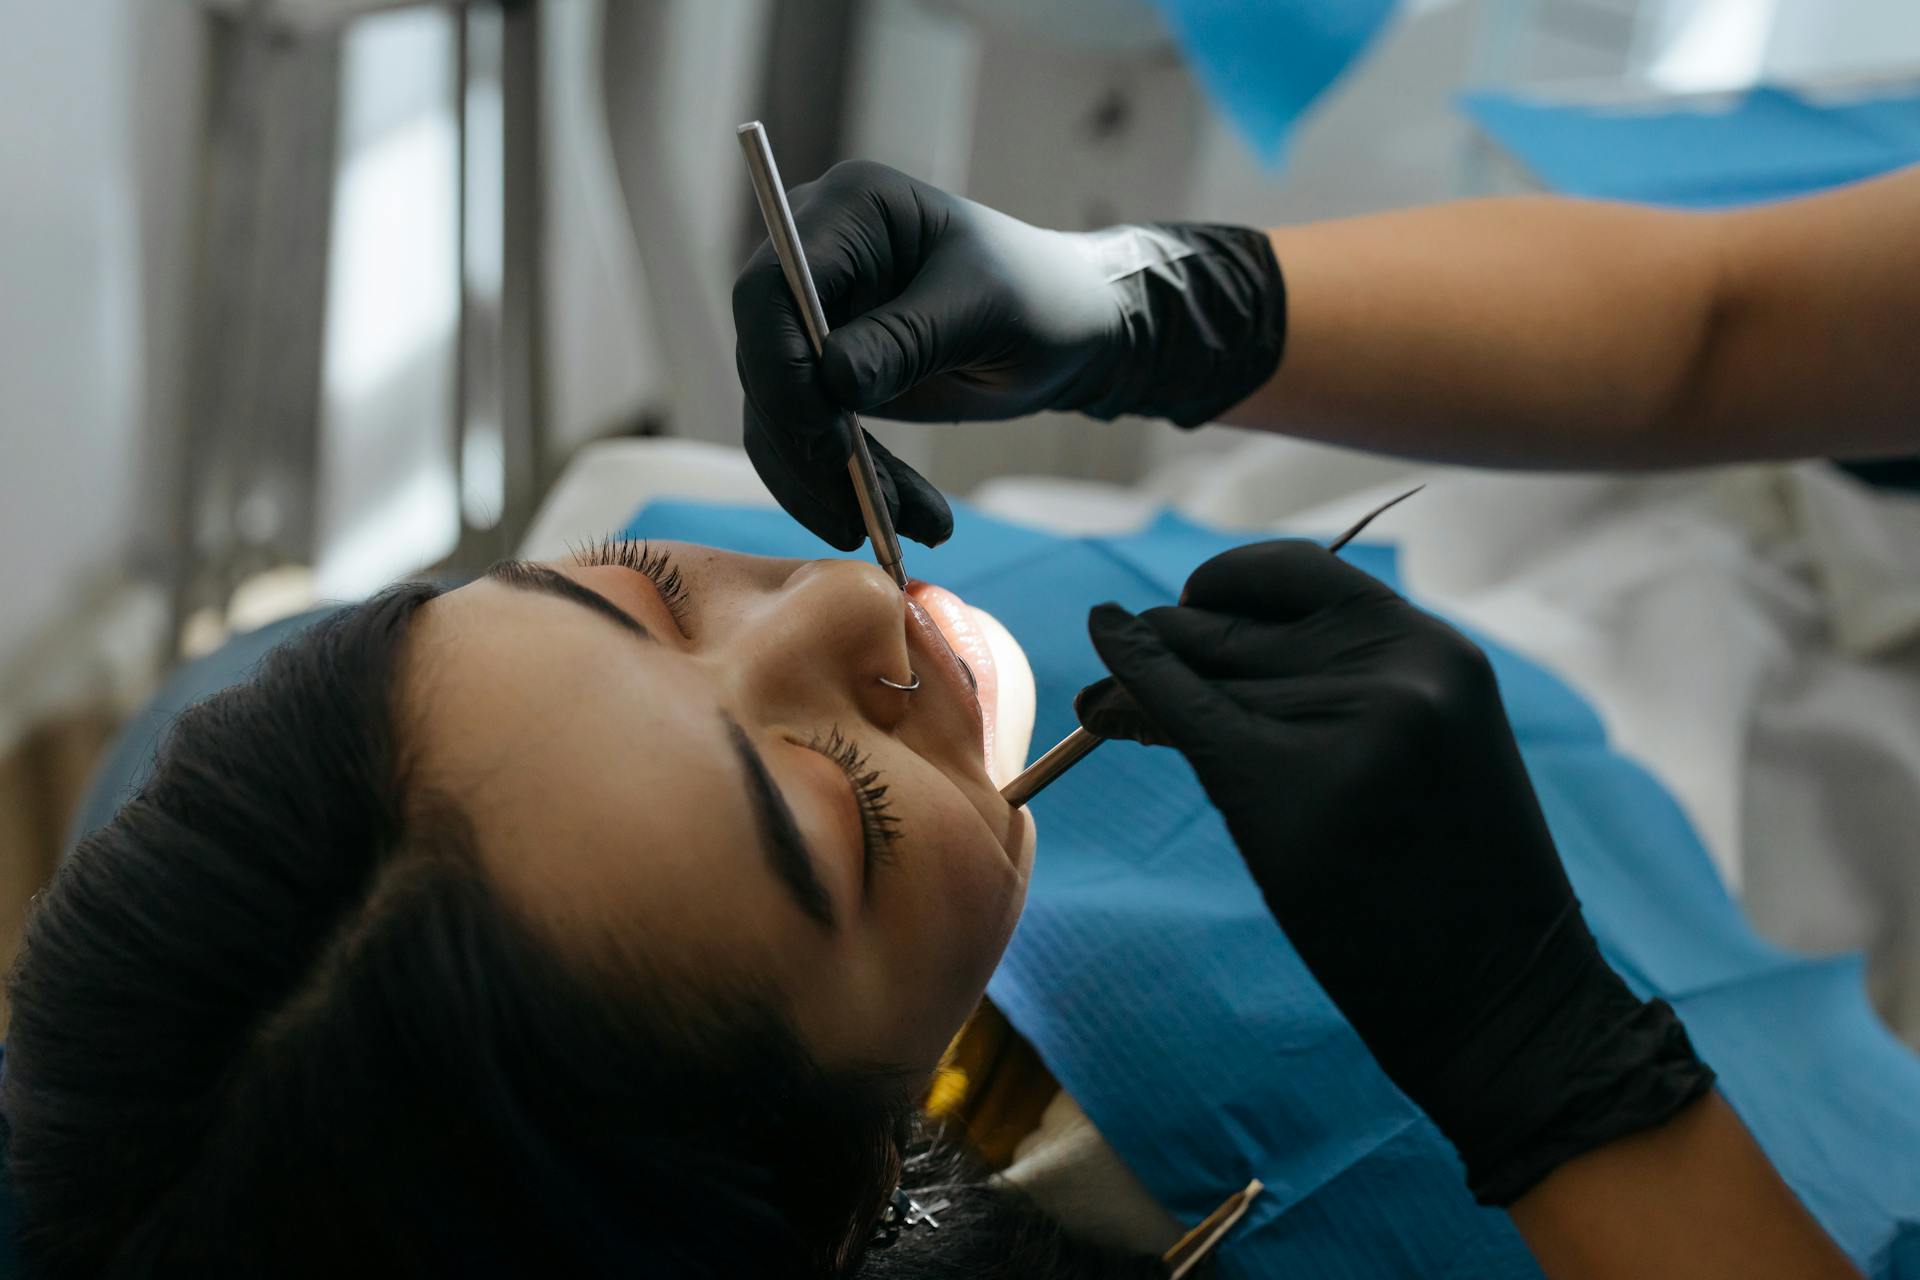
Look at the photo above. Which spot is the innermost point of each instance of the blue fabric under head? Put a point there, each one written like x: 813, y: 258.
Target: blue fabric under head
x: 1153, y: 982
x: 1768, y: 144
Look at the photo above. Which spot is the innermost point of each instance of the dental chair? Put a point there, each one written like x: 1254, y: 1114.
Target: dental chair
x: 1582, y: 575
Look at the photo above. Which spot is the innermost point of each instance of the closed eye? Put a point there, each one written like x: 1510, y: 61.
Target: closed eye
x: 879, y: 825
x: 643, y: 558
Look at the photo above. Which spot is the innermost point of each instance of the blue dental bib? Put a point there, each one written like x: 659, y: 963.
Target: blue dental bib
x: 1150, y: 977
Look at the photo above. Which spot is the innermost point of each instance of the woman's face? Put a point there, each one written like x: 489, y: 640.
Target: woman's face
x: 688, y: 755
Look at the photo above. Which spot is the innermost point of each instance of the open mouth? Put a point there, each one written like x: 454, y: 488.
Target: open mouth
x: 974, y: 663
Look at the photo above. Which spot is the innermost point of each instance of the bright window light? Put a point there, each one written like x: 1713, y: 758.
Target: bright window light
x: 1714, y: 44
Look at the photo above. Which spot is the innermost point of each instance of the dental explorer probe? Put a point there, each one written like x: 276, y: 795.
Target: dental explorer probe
x: 1195, y: 1247
x: 1073, y: 748
x: 793, y: 264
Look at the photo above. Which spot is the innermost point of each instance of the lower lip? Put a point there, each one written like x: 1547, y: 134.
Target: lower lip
x: 948, y: 614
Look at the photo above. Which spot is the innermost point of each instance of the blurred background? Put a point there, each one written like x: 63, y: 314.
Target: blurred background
x: 299, y: 296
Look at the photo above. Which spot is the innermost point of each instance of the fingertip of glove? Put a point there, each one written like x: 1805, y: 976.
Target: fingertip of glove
x: 920, y: 511
x: 1115, y: 631
x: 1090, y: 698
x: 926, y: 531
x: 845, y: 367
x: 871, y: 360
x: 828, y: 438
x: 807, y: 429
x: 842, y: 538
x: 755, y: 285
x: 924, y: 512
x: 1096, y: 717
x: 1281, y: 577
x: 1106, y: 709
x: 1106, y: 618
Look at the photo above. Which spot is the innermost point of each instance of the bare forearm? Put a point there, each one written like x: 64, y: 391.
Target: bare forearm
x: 1693, y: 1199
x: 1545, y: 332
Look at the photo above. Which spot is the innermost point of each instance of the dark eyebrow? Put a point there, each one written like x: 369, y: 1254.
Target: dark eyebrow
x: 525, y: 575
x: 780, y: 835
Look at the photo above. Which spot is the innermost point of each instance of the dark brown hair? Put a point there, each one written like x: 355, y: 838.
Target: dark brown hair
x: 272, y: 1019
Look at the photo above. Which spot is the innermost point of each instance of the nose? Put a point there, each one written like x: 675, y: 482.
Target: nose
x: 817, y: 646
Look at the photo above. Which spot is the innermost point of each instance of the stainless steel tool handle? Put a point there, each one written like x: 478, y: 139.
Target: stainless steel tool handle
x: 778, y: 215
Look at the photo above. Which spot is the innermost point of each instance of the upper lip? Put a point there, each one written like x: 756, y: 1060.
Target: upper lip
x: 930, y: 644
x: 933, y: 643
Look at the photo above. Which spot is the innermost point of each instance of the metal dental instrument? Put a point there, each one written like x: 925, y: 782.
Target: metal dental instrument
x: 1073, y: 748
x: 1033, y: 779
x: 1195, y: 1247
x: 793, y: 264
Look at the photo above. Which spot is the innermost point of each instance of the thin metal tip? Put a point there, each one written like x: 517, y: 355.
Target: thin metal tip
x: 1368, y: 518
x: 751, y: 126
x: 1194, y: 1247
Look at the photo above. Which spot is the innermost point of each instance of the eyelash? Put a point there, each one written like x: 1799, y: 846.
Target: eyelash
x: 879, y: 825
x: 639, y: 555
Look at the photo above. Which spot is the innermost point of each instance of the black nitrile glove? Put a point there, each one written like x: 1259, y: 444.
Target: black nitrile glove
x: 1359, y: 752
x: 943, y: 310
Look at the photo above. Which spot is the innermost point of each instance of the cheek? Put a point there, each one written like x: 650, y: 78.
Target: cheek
x: 953, y: 896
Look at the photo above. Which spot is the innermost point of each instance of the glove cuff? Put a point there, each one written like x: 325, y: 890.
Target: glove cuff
x: 1642, y: 1077
x: 1520, y: 1099
x: 1206, y: 323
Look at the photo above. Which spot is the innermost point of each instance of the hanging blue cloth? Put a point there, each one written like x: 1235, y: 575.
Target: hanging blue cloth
x: 1767, y: 144
x: 1264, y: 62
x: 1150, y: 977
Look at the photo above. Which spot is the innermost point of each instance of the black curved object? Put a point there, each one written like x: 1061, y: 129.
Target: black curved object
x: 127, y: 762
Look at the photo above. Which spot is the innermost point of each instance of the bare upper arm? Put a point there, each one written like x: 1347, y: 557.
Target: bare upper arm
x: 1816, y: 325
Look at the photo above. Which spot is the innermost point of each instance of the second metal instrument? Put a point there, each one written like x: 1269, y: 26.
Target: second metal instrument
x: 1074, y: 748
x: 793, y: 264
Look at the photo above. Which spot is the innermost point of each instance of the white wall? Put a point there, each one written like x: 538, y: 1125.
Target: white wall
x: 389, y: 505
x: 387, y: 500
x: 655, y: 172
x: 71, y: 302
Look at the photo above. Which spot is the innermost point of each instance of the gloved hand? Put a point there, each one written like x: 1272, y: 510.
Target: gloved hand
x: 942, y: 310
x: 1359, y: 752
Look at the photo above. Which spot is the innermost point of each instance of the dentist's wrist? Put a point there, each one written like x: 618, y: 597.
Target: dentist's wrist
x: 1567, y: 1061
x: 1204, y: 319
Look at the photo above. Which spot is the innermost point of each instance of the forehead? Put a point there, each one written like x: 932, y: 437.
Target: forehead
x: 596, y: 770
